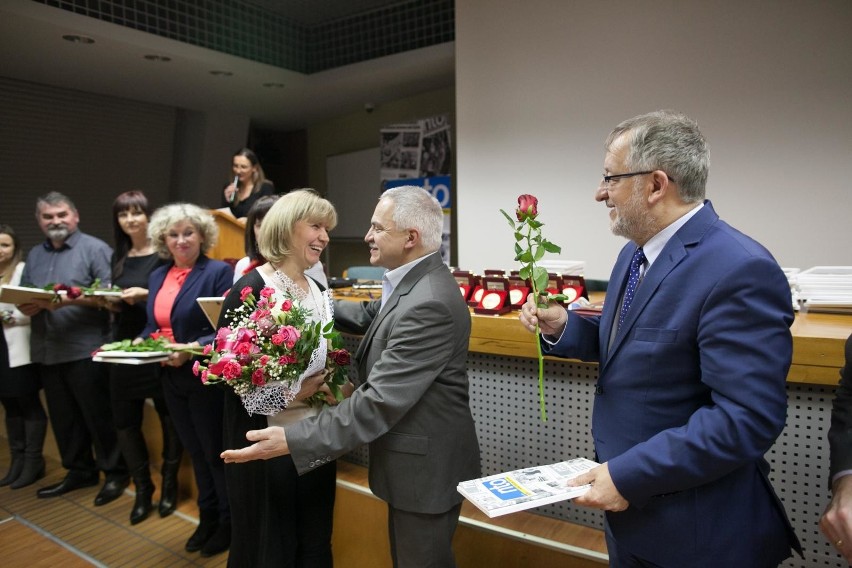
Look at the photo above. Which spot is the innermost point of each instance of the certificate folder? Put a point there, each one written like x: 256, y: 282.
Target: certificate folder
x: 521, y: 489
x: 24, y: 294
x: 212, y: 307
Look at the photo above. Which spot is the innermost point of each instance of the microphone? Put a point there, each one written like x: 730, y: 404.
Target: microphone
x: 234, y: 195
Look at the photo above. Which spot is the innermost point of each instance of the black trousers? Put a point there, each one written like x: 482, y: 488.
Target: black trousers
x: 196, y: 412
x: 78, y: 402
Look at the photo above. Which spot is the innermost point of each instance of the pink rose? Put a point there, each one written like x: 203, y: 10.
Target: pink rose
x: 245, y: 335
x: 196, y: 367
x: 222, y: 341
x: 245, y: 293
x: 264, y: 360
x: 290, y: 334
x: 257, y: 378
x: 286, y: 305
x: 527, y: 207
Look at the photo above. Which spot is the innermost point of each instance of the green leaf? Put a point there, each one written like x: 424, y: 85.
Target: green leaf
x: 518, y: 250
x: 519, y: 236
x: 508, y: 218
x: 539, y: 253
x: 524, y: 272
x: 540, y: 278
x: 550, y: 247
x: 525, y: 257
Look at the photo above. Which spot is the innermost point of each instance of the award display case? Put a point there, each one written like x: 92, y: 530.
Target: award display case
x: 495, y: 296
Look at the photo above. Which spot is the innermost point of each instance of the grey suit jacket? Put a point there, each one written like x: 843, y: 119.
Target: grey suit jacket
x: 412, y: 403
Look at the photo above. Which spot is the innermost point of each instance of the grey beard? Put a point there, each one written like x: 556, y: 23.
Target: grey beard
x: 57, y: 233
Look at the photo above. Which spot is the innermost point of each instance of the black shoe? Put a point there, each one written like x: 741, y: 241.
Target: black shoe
x: 142, y: 507
x: 112, y: 490
x: 219, y: 542
x: 71, y: 482
x: 206, y: 528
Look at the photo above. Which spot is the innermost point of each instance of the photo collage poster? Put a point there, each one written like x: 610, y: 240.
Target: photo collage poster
x: 420, y: 154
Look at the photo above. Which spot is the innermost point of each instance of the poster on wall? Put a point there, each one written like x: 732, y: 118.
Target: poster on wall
x: 420, y: 153
x: 439, y: 187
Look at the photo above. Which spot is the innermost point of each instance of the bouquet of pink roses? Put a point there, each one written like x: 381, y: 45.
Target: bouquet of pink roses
x: 270, y: 348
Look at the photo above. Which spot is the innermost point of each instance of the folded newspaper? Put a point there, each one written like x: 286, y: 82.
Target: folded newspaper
x: 526, y: 488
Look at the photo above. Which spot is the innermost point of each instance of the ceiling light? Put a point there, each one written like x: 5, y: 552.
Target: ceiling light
x: 221, y: 73
x: 78, y: 39
x: 162, y: 58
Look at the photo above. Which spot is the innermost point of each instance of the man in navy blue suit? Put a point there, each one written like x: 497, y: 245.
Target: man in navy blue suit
x: 693, y: 346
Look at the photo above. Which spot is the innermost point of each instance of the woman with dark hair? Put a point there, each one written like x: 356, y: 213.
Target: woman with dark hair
x: 133, y: 261
x: 253, y: 258
x: 249, y: 184
x: 26, y: 421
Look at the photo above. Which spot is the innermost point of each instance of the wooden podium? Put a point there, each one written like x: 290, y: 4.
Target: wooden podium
x: 232, y: 234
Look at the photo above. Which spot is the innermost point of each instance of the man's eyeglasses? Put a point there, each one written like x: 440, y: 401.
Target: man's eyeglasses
x: 608, y: 180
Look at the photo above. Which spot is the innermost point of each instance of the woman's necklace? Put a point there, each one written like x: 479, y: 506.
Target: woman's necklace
x: 290, y: 286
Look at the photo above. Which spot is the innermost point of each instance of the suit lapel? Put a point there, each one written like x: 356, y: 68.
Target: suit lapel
x: 191, y: 279
x: 408, y: 282
x: 675, y: 251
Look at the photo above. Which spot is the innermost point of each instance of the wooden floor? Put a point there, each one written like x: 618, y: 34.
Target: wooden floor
x: 69, y: 531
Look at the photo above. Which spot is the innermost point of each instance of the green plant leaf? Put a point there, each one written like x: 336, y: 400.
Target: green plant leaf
x: 508, y: 218
x: 540, y: 278
x: 550, y: 247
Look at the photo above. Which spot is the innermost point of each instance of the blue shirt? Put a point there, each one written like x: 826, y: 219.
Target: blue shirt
x: 69, y: 333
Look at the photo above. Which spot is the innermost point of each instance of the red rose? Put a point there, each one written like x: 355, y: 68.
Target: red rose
x: 287, y: 359
x: 59, y: 287
x: 257, y: 378
x: 527, y: 207
x: 286, y: 305
x: 339, y: 356
x: 74, y: 292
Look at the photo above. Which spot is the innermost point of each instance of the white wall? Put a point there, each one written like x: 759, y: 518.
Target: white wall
x: 539, y: 85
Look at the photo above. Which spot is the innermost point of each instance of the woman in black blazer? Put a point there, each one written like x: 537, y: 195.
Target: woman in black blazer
x: 182, y: 233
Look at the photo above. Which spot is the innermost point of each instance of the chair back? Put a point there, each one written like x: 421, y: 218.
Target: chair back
x: 364, y: 272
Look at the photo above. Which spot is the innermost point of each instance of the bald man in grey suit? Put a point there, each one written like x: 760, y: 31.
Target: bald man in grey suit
x: 412, y: 403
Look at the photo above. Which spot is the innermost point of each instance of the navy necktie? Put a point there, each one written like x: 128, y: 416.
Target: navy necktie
x: 632, y: 283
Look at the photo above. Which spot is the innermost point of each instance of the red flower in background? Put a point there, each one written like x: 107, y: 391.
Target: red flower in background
x: 527, y: 207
